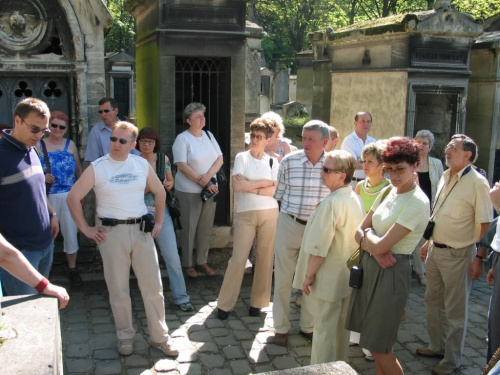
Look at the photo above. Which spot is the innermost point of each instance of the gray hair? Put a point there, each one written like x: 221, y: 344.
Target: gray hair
x: 469, y: 145
x: 319, y: 126
x: 426, y: 134
x: 276, y: 120
x: 191, y: 108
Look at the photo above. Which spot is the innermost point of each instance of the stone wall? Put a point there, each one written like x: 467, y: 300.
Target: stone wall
x: 383, y: 94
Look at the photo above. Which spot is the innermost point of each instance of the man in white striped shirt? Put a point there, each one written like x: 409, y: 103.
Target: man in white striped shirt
x: 299, y: 189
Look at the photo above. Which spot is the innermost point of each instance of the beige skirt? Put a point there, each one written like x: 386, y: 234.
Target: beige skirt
x: 376, y: 309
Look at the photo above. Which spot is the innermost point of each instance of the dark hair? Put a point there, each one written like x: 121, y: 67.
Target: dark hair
x: 361, y: 114
x: 113, y: 102
x: 469, y: 145
x: 28, y: 105
x: 401, y: 149
x: 60, y: 115
x: 149, y: 133
x: 262, y: 125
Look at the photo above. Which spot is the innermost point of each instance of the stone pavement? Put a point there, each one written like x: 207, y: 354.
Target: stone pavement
x: 239, y: 345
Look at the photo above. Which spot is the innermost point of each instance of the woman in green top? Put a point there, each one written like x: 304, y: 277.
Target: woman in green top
x: 369, y: 189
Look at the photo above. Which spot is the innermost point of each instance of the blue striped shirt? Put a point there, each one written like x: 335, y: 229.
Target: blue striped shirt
x: 300, y: 186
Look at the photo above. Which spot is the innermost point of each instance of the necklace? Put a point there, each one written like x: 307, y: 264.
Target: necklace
x: 58, y: 146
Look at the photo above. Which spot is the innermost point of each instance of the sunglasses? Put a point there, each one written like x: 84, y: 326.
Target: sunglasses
x: 121, y: 140
x: 328, y: 170
x: 258, y: 136
x: 104, y: 110
x: 35, y: 129
x: 61, y: 127
x: 147, y: 142
x: 398, y: 170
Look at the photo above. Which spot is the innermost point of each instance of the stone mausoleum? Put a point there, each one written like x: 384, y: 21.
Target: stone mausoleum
x: 410, y: 71
x: 198, y: 51
x: 54, y: 50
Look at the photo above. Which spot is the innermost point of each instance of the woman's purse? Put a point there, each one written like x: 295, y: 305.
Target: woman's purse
x: 172, y: 201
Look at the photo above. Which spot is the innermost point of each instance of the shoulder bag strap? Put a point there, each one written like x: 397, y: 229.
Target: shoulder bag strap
x: 434, y: 211
x: 46, y: 156
x: 160, y: 166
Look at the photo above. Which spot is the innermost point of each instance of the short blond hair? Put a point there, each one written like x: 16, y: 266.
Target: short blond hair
x: 344, y: 162
x: 128, y: 126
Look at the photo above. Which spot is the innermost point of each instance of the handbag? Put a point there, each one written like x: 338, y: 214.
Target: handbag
x: 221, y: 174
x: 172, y: 201
x: 47, y: 165
x: 354, y: 259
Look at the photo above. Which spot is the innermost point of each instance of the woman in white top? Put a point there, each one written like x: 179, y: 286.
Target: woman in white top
x: 254, y: 178
x: 198, y: 158
x: 429, y: 173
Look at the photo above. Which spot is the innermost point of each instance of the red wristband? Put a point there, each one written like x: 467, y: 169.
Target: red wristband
x: 40, y: 287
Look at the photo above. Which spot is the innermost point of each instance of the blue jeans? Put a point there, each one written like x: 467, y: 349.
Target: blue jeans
x: 41, y: 260
x: 168, y: 247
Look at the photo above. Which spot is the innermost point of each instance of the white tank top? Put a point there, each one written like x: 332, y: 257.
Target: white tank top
x: 119, y: 187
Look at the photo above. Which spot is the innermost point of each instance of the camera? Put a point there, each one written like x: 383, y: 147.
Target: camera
x: 207, y: 194
x: 147, y: 223
x: 356, y: 277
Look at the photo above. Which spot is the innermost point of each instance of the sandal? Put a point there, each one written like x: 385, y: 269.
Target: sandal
x: 205, y: 269
x: 189, y: 272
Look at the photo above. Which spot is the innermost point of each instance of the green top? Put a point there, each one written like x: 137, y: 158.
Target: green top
x: 149, y: 198
x: 369, y: 194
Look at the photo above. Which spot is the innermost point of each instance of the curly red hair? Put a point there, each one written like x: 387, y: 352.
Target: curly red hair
x: 401, y: 149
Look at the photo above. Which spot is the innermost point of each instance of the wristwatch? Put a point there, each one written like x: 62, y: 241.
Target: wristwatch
x: 52, y: 214
x: 483, y: 259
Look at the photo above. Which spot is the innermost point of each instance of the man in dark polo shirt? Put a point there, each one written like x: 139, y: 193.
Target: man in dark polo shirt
x: 27, y: 220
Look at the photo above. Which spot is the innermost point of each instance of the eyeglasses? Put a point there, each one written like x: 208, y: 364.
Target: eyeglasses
x: 397, y: 170
x: 258, y: 136
x: 104, y: 110
x: 61, y: 127
x: 121, y: 140
x: 328, y: 170
x: 147, y: 142
x: 35, y: 129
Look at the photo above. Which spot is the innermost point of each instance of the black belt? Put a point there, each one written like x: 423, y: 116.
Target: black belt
x: 357, y: 179
x: 303, y: 222
x: 440, y: 245
x: 112, y: 222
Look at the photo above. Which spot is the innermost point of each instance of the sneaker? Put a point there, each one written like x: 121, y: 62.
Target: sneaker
x: 187, y: 307
x: 166, y: 347
x: 75, y: 279
x: 125, y: 347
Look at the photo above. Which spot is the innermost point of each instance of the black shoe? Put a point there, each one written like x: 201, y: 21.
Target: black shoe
x: 254, y: 311
x: 74, y: 278
x: 221, y: 314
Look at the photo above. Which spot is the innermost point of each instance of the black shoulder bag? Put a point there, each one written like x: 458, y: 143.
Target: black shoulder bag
x: 221, y: 175
x: 173, y: 204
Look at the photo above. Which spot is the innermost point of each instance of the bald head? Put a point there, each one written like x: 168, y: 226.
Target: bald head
x: 333, y: 139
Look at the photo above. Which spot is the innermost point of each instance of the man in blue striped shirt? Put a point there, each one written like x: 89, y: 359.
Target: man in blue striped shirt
x: 299, y: 189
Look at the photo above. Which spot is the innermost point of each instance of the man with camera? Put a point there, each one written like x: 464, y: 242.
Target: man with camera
x: 125, y: 237
x: 462, y: 213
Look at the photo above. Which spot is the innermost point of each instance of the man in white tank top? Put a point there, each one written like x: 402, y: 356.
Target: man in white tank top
x: 119, y: 181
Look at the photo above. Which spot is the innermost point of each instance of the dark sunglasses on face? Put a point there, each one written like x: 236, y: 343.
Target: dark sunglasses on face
x: 35, y: 129
x: 258, y: 136
x: 121, y: 140
x: 328, y: 170
x: 61, y: 127
x: 103, y: 110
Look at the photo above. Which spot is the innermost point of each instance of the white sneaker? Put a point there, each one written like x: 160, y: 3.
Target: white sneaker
x: 166, y: 347
x: 125, y: 347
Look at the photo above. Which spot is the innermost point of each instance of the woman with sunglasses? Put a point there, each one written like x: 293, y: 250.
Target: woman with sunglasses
x: 65, y: 167
x: 149, y: 144
x: 254, y: 178
x: 388, y: 235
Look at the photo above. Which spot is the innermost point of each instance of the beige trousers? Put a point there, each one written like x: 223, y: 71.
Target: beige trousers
x: 286, y: 247
x: 127, y: 246
x: 331, y: 339
x: 446, y: 301
x: 247, y: 225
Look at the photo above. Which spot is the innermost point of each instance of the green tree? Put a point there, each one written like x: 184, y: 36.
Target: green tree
x: 122, y: 34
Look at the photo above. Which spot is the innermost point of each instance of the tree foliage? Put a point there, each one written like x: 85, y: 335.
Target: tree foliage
x: 122, y: 34
x: 287, y: 22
